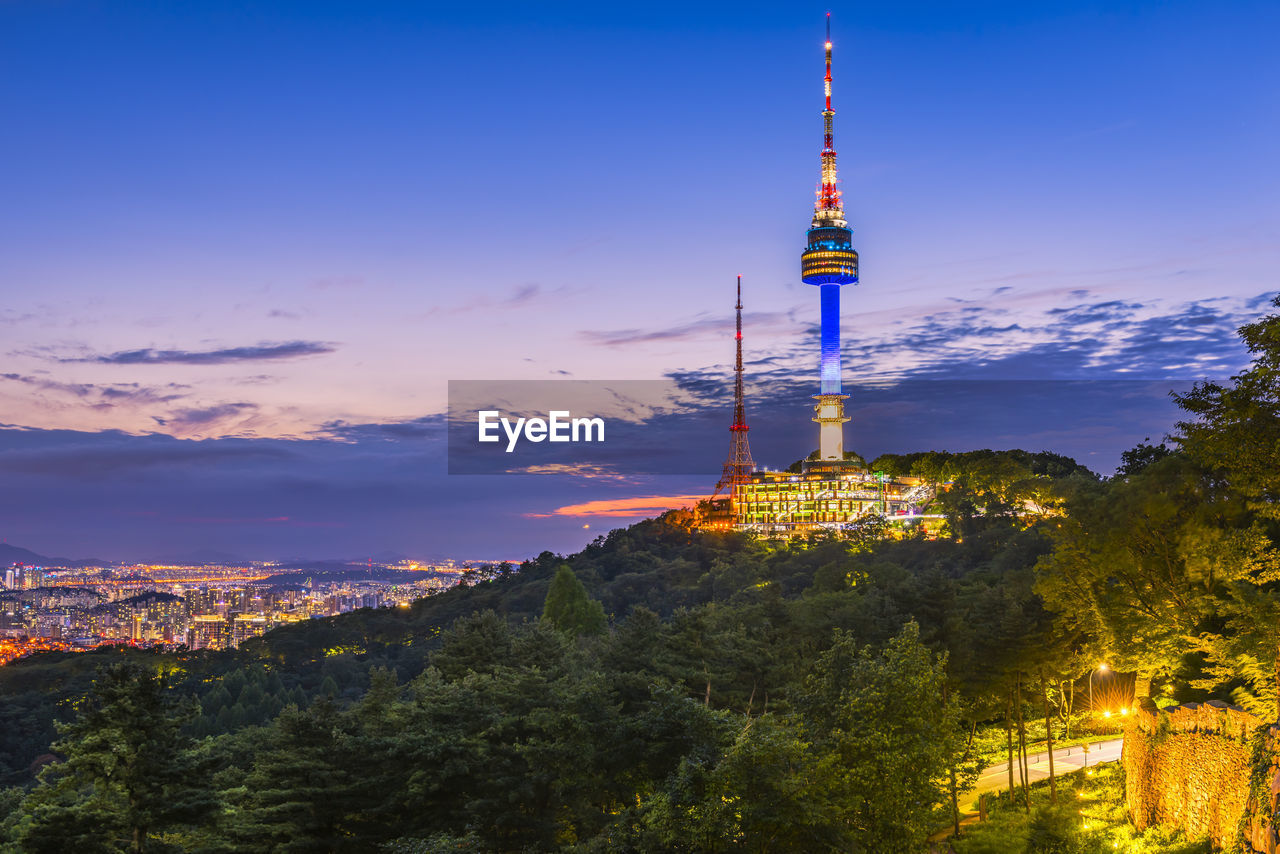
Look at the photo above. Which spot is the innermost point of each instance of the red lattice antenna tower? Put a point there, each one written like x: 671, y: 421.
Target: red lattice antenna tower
x: 739, y: 466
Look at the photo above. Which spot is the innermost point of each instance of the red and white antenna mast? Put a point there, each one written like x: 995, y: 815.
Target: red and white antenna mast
x: 739, y: 466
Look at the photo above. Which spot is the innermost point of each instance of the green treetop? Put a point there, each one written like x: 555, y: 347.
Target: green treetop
x: 570, y: 608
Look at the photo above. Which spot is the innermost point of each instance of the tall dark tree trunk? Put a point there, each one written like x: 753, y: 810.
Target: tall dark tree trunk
x: 1008, y: 733
x: 1071, y: 708
x: 1022, y: 750
x: 955, y: 803
x: 1141, y: 685
x: 139, y: 839
x: 951, y: 768
x: 1048, y: 732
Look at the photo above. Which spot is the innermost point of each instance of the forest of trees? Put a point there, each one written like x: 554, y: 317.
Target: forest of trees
x: 671, y: 690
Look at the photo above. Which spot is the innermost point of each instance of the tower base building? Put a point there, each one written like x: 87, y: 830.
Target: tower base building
x: 817, y: 499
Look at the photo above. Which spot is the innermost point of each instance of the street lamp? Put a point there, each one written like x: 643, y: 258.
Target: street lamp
x: 1102, y: 668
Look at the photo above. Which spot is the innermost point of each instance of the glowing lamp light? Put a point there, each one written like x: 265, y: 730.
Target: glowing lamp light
x: 1106, y: 713
x: 1102, y: 668
x: 1124, y: 710
x: 828, y: 45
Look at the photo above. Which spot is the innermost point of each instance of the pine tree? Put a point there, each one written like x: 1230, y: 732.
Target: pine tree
x: 129, y: 774
x: 570, y: 608
x: 297, y: 794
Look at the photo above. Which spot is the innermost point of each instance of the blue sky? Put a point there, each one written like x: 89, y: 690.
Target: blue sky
x: 262, y: 226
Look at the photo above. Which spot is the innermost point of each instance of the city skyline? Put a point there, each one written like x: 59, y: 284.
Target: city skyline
x: 246, y: 251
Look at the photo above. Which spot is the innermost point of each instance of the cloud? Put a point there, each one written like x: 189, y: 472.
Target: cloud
x: 75, y: 389
x: 426, y: 427
x: 107, y: 394
x: 587, y: 471
x: 1014, y: 338
x: 1051, y: 333
x: 114, y: 454
x: 685, y: 332
x: 203, y: 416
x: 1091, y: 340
x: 331, y: 282
x: 9, y: 316
x: 263, y: 352
x: 520, y: 296
x: 623, y: 508
x: 269, y: 520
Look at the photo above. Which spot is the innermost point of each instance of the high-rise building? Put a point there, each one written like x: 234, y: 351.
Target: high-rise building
x: 246, y: 626
x: 207, y: 631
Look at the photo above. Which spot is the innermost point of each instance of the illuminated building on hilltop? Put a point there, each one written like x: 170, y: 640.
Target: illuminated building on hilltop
x: 782, y: 503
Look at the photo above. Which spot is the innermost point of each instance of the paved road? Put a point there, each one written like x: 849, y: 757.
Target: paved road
x: 996, y: 777
x: 1065, y: 760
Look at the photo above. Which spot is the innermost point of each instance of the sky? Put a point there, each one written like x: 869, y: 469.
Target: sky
x: 245, y: 247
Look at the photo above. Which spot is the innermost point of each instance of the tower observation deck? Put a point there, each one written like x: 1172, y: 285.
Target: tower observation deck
x: 830, y: 262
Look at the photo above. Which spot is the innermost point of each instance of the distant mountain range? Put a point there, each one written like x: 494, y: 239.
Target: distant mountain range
x: 197, y: 557
x: 14, y: 554
x: 200, y: 557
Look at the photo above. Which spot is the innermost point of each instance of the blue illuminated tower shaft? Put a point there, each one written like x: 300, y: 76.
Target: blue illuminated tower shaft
x: 830, y: 376
x: 829, y: 262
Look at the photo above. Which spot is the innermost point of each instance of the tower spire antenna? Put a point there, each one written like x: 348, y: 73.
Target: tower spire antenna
x: 739, y: 466
x: 828, y: 210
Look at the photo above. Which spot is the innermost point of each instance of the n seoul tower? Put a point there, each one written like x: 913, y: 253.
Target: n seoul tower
x: 830, y: 263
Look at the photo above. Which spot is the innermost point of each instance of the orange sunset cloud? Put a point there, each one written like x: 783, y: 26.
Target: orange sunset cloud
x: 649, y: 505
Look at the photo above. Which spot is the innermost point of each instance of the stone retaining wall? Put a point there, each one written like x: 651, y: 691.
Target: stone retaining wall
x: 1189, y: 766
